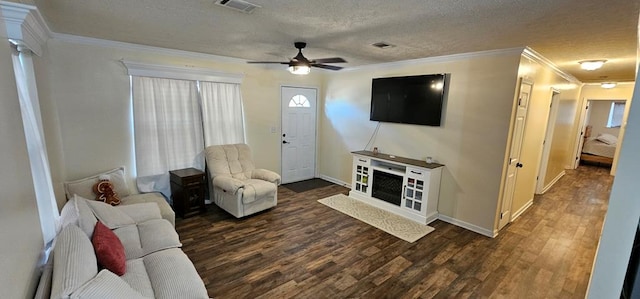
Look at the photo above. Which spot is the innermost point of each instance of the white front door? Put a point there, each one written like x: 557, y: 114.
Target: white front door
x: 514, y: 153
x: 299, y: 106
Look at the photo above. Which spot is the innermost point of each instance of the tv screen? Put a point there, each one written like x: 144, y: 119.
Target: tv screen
x: 409, y: 100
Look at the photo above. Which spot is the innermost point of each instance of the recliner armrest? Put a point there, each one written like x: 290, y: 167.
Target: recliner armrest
x: 228, y: 184
x: 266, y: 175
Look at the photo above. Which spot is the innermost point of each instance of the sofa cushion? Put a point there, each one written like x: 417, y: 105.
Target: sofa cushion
x: 106, y: 285
x: 109, y: 249
x: 74, y: 262
x: 165, y: 209
x: 138, y: 278
x: 172, y: 275
x: 147, y: 237
x: 111, y: 216
x: 84, y: 186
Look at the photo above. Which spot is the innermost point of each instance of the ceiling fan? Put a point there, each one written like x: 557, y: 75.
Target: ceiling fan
x: 300, y: 65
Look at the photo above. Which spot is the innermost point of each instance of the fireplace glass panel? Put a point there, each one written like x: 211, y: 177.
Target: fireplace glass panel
x: 387, y: 187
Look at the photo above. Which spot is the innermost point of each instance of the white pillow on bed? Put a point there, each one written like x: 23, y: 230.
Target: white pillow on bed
x: 607, y: 138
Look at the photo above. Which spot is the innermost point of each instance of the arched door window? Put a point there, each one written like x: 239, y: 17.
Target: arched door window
x: 299, y: 101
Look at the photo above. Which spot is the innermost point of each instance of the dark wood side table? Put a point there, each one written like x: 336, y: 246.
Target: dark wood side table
x: 188, y: 189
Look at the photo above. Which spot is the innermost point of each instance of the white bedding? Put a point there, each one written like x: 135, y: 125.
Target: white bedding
x: 598, y: 148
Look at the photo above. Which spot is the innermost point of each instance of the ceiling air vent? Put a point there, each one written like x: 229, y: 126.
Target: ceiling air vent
x: 240, y: 5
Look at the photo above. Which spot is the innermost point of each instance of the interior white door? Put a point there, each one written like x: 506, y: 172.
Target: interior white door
x: 299, y: 106
x: 514, y: 152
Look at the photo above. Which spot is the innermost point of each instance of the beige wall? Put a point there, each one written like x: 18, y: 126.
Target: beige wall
x: 560, y: 149
x: 598, y: 118
x: 86, y: 91
x: 544, y: 80
x: 471, y: 141
x: 20, y: 237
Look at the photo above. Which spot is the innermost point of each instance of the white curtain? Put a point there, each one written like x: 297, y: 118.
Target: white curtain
x: 36, y: 148
x: 222, y: 113
x: 168, y: 130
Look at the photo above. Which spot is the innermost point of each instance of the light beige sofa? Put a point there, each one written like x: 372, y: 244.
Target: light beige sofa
x: 156, y: 267
x: 84, y: 187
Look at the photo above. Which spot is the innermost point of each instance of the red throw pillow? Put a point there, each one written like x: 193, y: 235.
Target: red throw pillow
x: 109, y: 249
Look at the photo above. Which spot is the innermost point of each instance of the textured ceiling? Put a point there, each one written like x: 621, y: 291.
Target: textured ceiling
x: 564, y: 31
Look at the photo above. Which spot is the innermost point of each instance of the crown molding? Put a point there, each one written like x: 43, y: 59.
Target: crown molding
x: 25, y: 25
x: 535, y: 56
x: 143, y: 48
x: 436, y: 59
x: 181, y: 73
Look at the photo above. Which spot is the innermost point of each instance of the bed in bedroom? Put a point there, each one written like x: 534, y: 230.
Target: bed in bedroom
x: 599, y: 150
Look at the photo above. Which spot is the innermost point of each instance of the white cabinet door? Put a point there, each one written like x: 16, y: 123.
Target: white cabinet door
x: 416, y: 190
x: 361, y: 172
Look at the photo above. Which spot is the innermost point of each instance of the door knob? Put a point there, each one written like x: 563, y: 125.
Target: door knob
x: 284, y: 142
x: 519, y: 165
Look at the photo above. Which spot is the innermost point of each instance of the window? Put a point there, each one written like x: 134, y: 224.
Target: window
x: 174, y: 120
x: 615, y: 115
x: 299, y: 101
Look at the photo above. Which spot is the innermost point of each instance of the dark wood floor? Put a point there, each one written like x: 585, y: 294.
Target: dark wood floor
x: 303, y: 249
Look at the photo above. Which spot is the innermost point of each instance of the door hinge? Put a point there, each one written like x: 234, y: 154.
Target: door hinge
x: 519, y: 101
x: 501, y: 215
x: 537, y: 178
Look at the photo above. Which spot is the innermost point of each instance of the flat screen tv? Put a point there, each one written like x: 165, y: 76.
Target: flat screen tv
x: 409, y: 100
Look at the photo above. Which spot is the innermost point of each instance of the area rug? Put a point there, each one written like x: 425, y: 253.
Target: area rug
x: 307, y: 185
x: 393, y: 224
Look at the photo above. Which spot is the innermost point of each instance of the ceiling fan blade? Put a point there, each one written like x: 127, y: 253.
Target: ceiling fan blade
x: 326, y: 66
x: 278, y: 62
x: 329, y: 60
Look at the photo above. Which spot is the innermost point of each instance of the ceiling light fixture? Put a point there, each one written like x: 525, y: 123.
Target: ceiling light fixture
x: 608, y: 85
x: 299, y: 69
x: 591, y: 65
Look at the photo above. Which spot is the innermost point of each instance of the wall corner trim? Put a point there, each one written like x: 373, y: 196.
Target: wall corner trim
x: 25, y: 26
x: 535, y: 56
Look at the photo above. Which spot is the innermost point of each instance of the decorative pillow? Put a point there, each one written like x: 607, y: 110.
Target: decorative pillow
x: 105, y: 193
x: 74, y: 262
x: 83, y: 187
x: 109, y: 249
x: 607, y: 138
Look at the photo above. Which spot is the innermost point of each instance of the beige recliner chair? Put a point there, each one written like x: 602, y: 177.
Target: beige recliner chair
x: 238, y: 187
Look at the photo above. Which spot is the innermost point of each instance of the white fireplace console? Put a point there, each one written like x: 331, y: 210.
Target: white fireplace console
x: 403, y: 186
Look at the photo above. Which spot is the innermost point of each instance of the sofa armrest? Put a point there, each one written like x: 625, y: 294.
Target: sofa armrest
x: 141, y: 212
x: 228, y: 184
x: 266, y: 175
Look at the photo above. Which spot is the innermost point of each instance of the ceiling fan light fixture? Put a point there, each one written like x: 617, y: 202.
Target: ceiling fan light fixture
x: 608, y: 85
x: 591, y: 65
x: 299, y: 69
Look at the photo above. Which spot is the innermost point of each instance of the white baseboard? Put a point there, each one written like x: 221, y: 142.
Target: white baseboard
x: 519, y: 212
x: 469, y: 226
x: 335, y: 181
x: 555, y: 180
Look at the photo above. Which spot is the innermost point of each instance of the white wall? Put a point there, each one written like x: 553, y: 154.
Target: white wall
x: 598, y: 118
x: 85, y: 88
x: 20, y: 235
x: 544, y: 81
x: 471, y: 141
x: 622, y: 215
